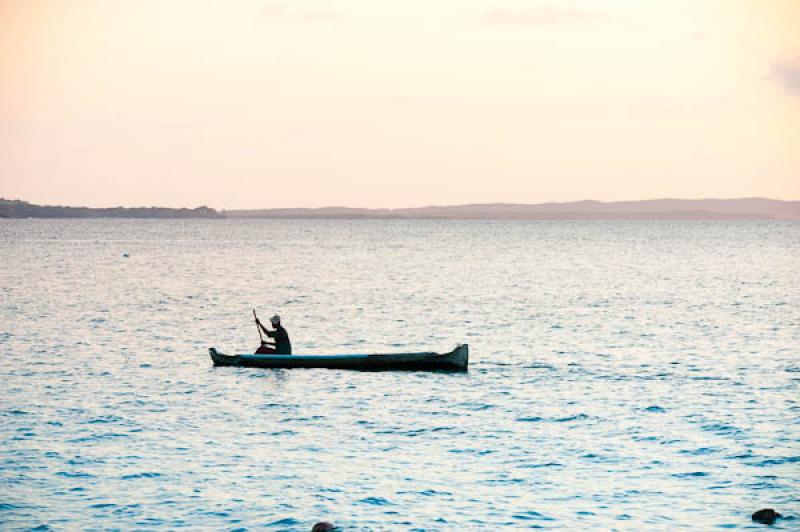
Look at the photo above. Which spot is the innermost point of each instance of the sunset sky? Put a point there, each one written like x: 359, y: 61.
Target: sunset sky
x: 252, y: 103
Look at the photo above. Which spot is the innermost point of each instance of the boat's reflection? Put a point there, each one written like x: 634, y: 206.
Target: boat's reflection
x: 277, y: 376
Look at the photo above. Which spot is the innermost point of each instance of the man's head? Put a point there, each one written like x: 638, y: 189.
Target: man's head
x: 275, y: 320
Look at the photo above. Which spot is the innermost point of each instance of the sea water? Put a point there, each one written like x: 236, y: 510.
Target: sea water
x: 625, y: 375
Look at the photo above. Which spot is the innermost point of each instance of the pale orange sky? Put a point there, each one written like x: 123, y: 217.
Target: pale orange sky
x: 251, y: 103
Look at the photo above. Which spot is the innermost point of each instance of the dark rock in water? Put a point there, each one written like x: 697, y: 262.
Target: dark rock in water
x: 766, y: 516
x: 323, y: 526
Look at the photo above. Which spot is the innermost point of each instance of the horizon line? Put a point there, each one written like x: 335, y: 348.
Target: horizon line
x: 424, y: 206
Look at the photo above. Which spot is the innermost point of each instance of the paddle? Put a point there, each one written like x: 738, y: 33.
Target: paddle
x: 260, y: 337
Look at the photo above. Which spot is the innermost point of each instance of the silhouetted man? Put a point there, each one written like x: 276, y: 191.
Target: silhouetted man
x: 282, y: 345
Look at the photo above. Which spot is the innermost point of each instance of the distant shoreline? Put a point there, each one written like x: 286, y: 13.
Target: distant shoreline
x: 660, y: 209
x: 23, y: 209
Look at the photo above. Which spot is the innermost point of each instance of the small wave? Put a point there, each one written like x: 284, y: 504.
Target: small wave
x: 693, y: 474
x: 376, y: 501
x: 309, y: 418
x: 5, y: 506
x: 131, y: 509
x: 80, y: 460
x: 419, y: 432
x: 779, y: 461
x: 150, y: 522
x: 140, y: 475
x: 430, y: 493
x: 104, y: 419
x: 98, y: 437
x: 283, y: 433
x: 539, y: 466
x: 503, y: 481
x: 273, y: 405
x: 655, y: 409
x: 742, y: 456
x: 532, y: 516
x: 541, y: 365
x: 478, y: 407
x: 103, y: 505
x: 576, y: 417
x: 700, y: 451
x: 74, y: 474
x: 479, y: 452
x: 565, y: 419
x: 762, y: 485
x: 721, y: 428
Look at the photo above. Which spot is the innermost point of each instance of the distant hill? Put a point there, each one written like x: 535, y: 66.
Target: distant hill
x: 661, y: 209
x: 23, y: 209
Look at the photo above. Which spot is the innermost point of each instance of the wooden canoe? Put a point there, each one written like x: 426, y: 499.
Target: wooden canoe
x: 455, y: 360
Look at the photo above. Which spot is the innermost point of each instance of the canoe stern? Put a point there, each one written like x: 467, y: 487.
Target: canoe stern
x: 221, y: 359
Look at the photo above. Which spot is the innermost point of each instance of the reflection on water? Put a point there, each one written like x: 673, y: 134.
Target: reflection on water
x: 623, y: 375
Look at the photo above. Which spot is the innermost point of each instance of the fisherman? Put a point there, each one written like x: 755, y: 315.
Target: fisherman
x: 282, y: 345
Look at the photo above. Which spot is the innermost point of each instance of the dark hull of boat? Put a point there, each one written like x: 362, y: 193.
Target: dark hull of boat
x: 456, y: 360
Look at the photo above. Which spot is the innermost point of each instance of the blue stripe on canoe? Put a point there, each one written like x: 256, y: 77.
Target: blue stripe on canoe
x: 331, y: 357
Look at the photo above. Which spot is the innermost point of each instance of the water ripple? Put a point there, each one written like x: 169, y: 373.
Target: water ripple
x: 623, y: 375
